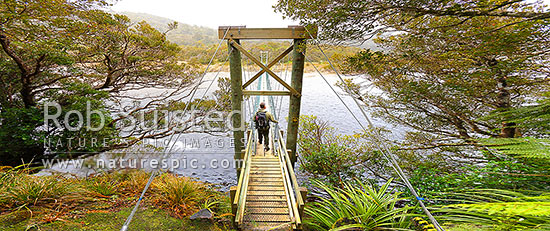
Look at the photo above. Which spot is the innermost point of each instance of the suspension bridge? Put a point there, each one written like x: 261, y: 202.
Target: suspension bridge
x: 267, y: 195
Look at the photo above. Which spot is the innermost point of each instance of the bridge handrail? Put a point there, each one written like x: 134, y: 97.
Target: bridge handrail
x: 287, y: 185
x: 297, y: 201
x: 242, y: 185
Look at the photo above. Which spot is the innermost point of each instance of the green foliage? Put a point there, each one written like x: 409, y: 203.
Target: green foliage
x: 358, y: 20
x: 19, y: 138
x: 74, y: 53
x: 480, y: 194
x: 454, y: 73
x: 429, y: 181
x: 330, y: 161
x: 333, y: 157
x: 24, y: 137
x: 444, y: 88
x: 524, y: 148
x: 510, y: 208
x: 82, y: 98
x: 445, y: 72
x: 128, y: 53
x: 507, y: 174
x: 513, y: 164
x: 202, y: 53
x: 222, y: 95
x: 466, y: 227
x: 39, y: 39
x: 504, y: 209
x: 532, y: 120
x: 357, y: 206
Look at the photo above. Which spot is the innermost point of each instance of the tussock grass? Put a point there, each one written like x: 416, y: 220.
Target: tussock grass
x: 132, y: 181
x: 183, y: 195
x: 31, y: 190
x: 19, y: 188
x: 102, y: 185
x: 56, y: 197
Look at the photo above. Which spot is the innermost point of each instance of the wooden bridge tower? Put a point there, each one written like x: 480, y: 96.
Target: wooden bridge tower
x: 233, y: 35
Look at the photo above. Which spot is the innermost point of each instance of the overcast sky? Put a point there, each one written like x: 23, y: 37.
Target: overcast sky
x: 210, y: 13
x: 214, y: 13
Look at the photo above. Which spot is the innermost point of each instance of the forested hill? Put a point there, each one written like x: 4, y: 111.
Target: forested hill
x: 185, y: 34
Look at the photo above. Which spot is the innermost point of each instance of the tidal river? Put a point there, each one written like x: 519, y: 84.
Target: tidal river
x: 210, y: 158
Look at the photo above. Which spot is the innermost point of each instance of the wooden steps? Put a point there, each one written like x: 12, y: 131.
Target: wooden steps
x: 266, y: 205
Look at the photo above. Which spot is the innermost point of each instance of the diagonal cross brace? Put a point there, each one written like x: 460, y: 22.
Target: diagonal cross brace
x: 266, y: 69
x: 271, y: 64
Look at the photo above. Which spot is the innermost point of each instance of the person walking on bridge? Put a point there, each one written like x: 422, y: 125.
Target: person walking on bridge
x: 261, y: 120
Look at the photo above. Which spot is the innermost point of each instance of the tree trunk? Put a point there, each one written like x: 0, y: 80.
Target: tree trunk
x: 461, y: 129
x: 503, y: 104
x: 107, y: 82
x: 26, y: 91
x: 503, y: 100
x: 25, y: 76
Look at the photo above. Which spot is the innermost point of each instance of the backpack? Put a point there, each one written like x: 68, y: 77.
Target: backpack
x: 261, y: 121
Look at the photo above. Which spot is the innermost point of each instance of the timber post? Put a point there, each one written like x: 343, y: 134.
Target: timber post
x: 232, y: 192
x: 298, y: 61
x: 236, y: 74
x: 303, y: 193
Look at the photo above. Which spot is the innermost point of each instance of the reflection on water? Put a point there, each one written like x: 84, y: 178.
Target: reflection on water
x: 205, y: 159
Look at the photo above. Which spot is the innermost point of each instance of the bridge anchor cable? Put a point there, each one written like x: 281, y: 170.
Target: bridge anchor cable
x: 168, y: 150
x: 375, y: 136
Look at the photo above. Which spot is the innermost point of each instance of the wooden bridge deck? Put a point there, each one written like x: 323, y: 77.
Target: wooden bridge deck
x: 269, y: 201
x: 266, y: 205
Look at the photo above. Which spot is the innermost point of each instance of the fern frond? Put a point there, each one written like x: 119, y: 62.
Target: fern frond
x: 496, y: 207
x: 509, y: 208
x: 526, y: 147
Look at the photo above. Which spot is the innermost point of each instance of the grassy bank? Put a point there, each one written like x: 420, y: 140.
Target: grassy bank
x: 103, y: 201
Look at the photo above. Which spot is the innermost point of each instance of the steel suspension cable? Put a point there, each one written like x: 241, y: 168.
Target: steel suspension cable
x: 153, y: 174
x: 378, y: 143
x: 281, y: 87
x: 273, y: 106
x: 377, y: 139
x: 249, y: 101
